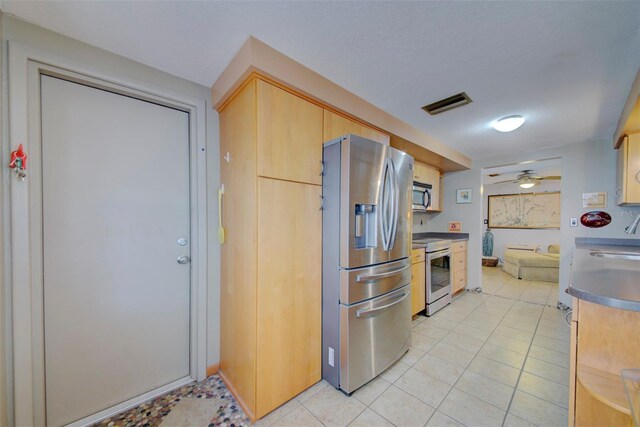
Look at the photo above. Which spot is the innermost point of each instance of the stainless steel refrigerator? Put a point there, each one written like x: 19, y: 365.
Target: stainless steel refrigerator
x: 366, y: 265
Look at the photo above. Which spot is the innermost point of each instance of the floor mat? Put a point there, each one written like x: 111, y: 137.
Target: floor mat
x: 225, y: 411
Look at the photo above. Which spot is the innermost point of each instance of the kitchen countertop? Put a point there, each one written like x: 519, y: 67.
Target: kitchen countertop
x: 431, y: 235
x: 606, y: 281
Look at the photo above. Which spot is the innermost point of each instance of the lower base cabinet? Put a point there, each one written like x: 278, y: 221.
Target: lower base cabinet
x: 418, y: 289
x: 459, y: 261
x: 604, y: 340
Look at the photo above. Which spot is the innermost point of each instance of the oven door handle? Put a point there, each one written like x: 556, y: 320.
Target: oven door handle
x: 367, y: 277
x: 434, y: 255
x: 362, y: 313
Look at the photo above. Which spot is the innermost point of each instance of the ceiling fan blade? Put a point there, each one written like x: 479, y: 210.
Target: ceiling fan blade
x: 552, y: 177
x: 504, y: 182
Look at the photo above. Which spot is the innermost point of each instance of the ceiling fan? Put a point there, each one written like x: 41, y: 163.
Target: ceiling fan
x: 528, y: 179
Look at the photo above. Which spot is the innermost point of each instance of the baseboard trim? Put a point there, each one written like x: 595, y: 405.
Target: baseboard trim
x: 233, y: 391
x: 213, y: 369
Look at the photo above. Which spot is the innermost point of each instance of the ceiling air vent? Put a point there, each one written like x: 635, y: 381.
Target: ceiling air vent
x: 447, y: 104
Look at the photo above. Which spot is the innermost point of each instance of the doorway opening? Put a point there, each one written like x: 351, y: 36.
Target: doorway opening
x: 521, y: 230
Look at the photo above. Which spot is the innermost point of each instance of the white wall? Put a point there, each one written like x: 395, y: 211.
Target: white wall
x: 37, y: 37
x: 586, y: 167
x: 504, y: 236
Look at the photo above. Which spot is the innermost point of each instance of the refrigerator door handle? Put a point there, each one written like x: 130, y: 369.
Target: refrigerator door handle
x: 385, y: 206
x: 367, y: 277
x: 362, y: 313
x: 394, y: 206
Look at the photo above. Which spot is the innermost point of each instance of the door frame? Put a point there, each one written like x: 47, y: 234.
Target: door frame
x: 24, y: 261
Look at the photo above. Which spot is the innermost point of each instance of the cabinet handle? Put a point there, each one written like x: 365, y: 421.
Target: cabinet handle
x: 321, y: 168
x: 638, y: 177
x: 321, y: 203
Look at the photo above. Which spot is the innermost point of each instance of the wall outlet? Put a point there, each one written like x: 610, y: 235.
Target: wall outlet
x: 331, y: 355
x: 573, y: 222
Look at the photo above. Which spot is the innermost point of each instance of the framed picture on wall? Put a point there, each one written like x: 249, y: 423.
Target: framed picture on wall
x: 463, y: 196
x: 525, y: 210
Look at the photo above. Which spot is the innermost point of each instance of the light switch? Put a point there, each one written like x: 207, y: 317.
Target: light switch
x: 573, y: 222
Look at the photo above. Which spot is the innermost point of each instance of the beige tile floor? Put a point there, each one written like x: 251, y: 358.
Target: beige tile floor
x: 496, y: 358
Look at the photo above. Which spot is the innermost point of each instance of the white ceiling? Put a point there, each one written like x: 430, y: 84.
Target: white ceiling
x: 566, y: 66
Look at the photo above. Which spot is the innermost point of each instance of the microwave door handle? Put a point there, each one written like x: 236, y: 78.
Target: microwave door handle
x: 362, y: 313
x: 427, y: 194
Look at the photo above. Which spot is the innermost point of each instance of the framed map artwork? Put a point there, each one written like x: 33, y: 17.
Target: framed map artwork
x: 525, y: 210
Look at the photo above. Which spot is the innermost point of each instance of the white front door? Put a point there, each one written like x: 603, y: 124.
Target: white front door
x: 115, y: 222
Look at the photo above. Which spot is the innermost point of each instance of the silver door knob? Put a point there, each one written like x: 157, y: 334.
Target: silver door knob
x: 183, y: 259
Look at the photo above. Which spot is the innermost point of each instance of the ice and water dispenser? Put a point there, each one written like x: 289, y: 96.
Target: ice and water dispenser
x: 365, y: 227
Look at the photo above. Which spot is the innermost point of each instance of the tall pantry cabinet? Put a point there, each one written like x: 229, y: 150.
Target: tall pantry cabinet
x: 271, y: 259
x: 271, y: 164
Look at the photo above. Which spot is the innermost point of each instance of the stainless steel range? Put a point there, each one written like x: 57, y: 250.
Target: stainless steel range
x: 439, y: 273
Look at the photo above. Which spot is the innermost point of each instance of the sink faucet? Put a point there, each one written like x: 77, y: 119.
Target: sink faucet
x: 631, y: 229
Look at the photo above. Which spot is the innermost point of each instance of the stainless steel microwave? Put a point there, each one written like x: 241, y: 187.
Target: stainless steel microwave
x: 421, y: 196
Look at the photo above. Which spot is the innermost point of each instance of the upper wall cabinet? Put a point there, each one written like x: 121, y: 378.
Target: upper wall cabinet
x: 336, y: 126
x: 289, y: 136
x: 429, y: 175
x: 628, y: 191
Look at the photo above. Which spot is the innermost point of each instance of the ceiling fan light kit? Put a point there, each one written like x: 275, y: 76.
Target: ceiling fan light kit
x: 508, y: 123
x: 528, y: 179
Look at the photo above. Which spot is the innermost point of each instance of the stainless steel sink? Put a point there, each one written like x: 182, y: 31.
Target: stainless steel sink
x: 633, y: 256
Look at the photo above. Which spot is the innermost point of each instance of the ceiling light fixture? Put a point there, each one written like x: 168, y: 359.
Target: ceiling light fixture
x: 509, y: 123
x: 527, y: 184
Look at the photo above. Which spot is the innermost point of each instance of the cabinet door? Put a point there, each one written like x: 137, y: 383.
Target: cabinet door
x: 621, y: 173
x: 459, y: 280
x: 632, y: 193
x: 434, y: 180
x: 289, y: 136
x: 289, y: 291
x: 336, y: 126
x: 429, y: 175
x: 418, y: 290
x: 420, y: 172
x: 459, y: 262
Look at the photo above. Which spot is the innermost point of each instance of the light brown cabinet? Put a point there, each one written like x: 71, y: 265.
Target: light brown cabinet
x: 270, y: 293
x: 604, y: 340
x: 418, y: 283
x: 270, y: 308
x: 289, y: 135
x: 429, y: 175
x: 459, y: 263
x: 336, y: 125
x: 289, y: 291
x: 628, y: 165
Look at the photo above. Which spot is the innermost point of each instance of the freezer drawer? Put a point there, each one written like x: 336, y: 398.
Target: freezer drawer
x: 373, y: 334
x: 365, y: 283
